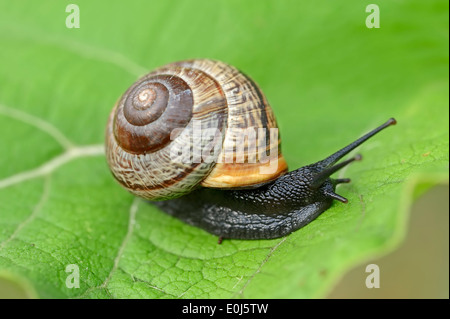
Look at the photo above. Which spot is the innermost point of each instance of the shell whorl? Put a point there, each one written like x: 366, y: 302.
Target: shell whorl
x: 158, y: 116
x: 150, y: 110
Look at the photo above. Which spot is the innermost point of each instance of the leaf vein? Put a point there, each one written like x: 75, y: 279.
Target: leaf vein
x: 272, y: 250
x: 131, y: 222
x: 79, y: 48
x: 32, y: 216
x: 38, y: 123
x: 53, y: 164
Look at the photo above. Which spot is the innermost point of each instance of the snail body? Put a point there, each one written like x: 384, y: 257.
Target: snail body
x: 200, y: 140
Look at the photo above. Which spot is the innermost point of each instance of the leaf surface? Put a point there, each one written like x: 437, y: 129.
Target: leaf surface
x: 329, y: 79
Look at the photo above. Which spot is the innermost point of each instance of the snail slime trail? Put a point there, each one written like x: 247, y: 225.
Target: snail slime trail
x: 228, y: 199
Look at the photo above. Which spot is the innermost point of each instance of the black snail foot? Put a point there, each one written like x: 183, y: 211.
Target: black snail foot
x: 272, y: 210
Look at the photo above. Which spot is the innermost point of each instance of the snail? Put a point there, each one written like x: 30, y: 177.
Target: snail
x: 199, y: 139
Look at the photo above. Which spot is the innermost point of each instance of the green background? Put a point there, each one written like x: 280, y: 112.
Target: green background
x: 329, y: 79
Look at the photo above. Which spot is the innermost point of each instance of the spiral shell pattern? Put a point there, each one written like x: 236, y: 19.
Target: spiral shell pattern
x: 156, y: 117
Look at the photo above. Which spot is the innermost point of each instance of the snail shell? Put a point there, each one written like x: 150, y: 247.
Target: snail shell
x: 159, y: 116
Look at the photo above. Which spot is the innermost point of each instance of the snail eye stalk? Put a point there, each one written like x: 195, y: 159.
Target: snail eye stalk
x: 332, y: 159
x: 320, y: 178
x: 329, y: 167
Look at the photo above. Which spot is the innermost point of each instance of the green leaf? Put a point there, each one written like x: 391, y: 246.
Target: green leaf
x: 329, y: 79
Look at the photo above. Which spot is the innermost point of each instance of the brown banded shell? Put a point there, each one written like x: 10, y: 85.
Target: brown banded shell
x: 161, y: 115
